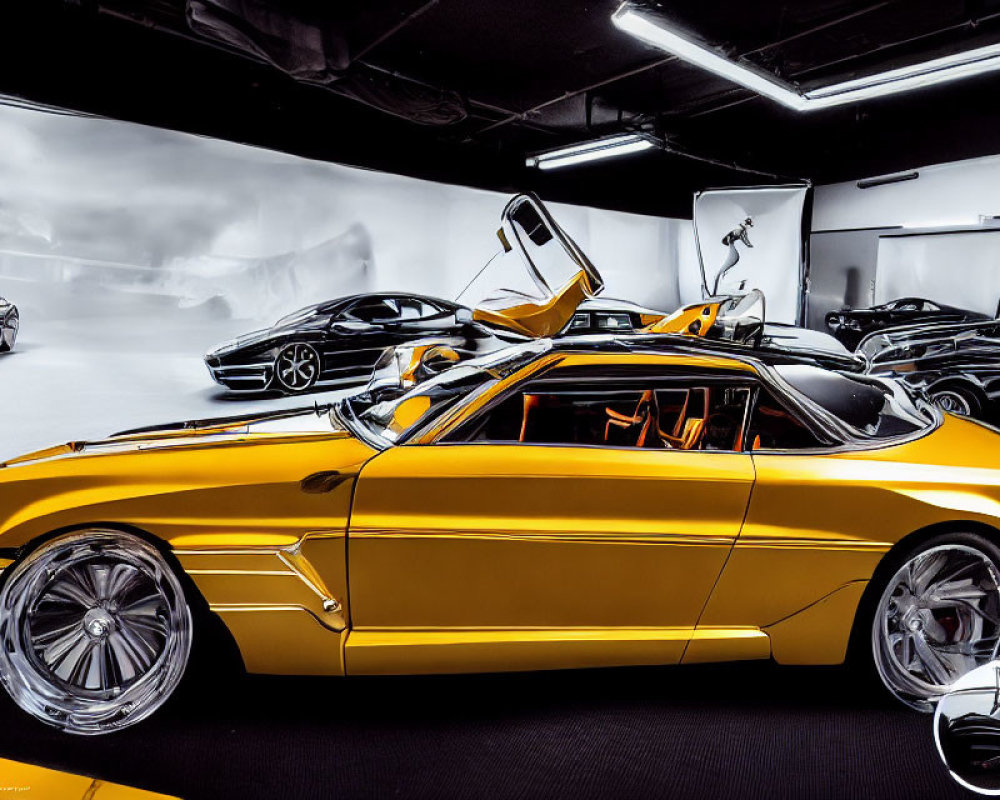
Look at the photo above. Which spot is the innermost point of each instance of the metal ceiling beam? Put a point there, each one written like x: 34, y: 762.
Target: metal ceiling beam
x: 521, y: 115
x: 395, y: 29
x: 187, y: 36
x: 969, y: 23
x: 470, y: 100
x: 821, y: 27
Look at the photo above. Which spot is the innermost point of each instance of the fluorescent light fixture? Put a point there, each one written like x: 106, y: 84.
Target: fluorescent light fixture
x: 621, y: 144
x: 653, y: 30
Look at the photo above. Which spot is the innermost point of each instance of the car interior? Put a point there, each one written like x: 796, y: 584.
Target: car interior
x: 698, y: 414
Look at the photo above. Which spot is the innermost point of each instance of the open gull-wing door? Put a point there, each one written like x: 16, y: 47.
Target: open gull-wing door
x: 735, y: 318
x: 529, y: 290
x: 534, y: 286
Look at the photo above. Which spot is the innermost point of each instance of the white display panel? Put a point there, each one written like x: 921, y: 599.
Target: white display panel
x: 957, y: 268
x: 774, y: 263
x: 130, y: 251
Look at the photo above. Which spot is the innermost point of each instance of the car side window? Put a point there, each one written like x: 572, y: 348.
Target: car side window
x: 653, y: 413
x: 412, y: 308
x: 375, y: 309
x: 773, y: 427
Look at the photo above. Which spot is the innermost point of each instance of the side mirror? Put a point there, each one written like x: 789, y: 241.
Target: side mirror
x: 348, y: 327
x: 463, y: 316
x: 967, y: 729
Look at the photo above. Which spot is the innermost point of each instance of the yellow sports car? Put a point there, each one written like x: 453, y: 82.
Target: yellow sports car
x: 651, y: 500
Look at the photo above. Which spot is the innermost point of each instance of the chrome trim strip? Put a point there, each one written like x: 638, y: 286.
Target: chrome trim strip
x: 241, y: 607
x: 227, y: 368
x: 315, y: 589
x: 745, y: 542
x: 281, y: 573
x: 580, y: 537
x: 249, y: 551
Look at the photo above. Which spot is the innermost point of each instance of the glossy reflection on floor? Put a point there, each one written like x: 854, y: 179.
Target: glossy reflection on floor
x: 743, y: 730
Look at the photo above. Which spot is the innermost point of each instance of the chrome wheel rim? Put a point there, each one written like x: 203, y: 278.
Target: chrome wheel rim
x: 95, y: 632
x: 953, y: 403
x: 9, y: 331
x: 297, y: 367
x: 938, y: 618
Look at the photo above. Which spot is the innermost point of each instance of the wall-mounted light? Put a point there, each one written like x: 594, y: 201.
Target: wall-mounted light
x: 620, y: 144
x: 882, y: 180
x: 652, y: 29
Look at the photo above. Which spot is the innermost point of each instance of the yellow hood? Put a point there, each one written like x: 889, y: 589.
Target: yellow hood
x: 263, y: 481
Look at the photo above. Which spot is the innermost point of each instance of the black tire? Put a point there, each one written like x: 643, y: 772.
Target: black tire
x: 973, y: 557
x: 8, y: 330
x: 955, y: 399
x: 96, y: 631
x: 296, y: 368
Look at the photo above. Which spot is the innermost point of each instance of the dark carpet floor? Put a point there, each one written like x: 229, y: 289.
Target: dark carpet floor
x: 733, y: 731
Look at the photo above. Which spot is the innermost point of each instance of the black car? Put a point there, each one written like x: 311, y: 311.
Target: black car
x: 850, y: 326
x: 9, y: 322
x: 957, y: 365
x: 333, y: 343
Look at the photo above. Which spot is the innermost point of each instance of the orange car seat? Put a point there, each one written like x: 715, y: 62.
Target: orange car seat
x: 642, y: 417
x: 690, y: 425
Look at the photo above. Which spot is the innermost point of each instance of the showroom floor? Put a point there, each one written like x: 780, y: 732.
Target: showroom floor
x: 84, y: 379
x: 702, y: 731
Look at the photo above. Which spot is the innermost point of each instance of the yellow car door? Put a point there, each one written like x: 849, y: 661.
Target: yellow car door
x: 528, y: 546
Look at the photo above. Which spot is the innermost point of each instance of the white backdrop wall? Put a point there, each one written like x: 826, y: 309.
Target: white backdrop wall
x: 952, y: 194
x: 849, y: 223
x: 131, y: 250
x: 129, y: 208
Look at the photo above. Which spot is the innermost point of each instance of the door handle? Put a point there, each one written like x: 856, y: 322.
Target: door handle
x: 321, y: 482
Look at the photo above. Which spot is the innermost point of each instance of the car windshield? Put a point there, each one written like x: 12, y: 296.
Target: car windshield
x: 393, y: 421
x: 301, y: 315
x: 869, y: 407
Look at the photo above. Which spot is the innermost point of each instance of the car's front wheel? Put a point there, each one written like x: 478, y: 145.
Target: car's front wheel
x: 8, y: 331
x: 296, y: 368
x: 937, y: 616
x: 95, y: 631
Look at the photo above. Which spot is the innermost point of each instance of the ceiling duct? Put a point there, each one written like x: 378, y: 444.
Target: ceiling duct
x: 312, y: 48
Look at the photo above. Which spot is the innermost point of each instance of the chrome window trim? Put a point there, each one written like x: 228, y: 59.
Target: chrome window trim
x: 808, y: 412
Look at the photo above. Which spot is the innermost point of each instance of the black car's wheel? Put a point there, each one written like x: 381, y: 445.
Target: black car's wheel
x: 95, y: 631
x: 8, y: 331
x: 957, y: 400
x: 932, y: 615
x: 297, y: 367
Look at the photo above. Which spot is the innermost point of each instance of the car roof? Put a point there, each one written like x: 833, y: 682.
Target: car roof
x: 342, y: 301
x: 677, y: 344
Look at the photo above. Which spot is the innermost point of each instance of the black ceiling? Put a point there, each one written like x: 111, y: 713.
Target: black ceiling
x: 514, y: 77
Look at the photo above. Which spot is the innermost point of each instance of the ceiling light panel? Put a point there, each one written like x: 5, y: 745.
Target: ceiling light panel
x: 593, y: 150
x: 654, y: 30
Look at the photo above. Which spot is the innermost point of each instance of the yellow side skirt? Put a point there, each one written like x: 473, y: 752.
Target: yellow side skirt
x: 409, y: 652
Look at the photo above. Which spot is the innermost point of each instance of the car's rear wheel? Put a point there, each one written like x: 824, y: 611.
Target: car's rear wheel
x: 296, y: 368
x: 95, y: 631
x: 937, y: 617
x: 957, y: 400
